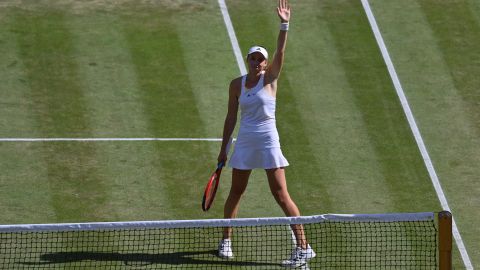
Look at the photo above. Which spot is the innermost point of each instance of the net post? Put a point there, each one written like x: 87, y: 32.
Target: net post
x: 445, y: 240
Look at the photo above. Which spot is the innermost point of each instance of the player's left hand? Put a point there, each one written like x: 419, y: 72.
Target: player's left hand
x: 283, y: 10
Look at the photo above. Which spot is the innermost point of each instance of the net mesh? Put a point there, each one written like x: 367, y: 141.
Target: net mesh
x: 339, y: 244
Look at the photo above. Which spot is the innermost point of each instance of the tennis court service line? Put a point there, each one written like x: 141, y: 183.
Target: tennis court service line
x: 107, y: 139
x: 416, y: 132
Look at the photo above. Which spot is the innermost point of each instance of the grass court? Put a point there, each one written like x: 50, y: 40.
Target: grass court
x: 161, y: 69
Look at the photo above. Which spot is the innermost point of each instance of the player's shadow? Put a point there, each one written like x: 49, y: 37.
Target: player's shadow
x: 143, y: 259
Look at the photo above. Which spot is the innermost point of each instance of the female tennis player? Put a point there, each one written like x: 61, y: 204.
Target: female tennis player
x: 258, y: 144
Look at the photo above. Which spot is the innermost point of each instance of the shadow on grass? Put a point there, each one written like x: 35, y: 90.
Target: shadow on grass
x: 143, y: 259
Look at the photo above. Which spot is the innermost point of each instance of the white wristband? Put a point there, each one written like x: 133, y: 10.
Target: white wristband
x: 284, y: 26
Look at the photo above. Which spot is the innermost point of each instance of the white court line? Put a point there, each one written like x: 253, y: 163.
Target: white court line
x: 106, y: 139
x: 416, y: 132
x: 233, y: 37
x: 241, y: 66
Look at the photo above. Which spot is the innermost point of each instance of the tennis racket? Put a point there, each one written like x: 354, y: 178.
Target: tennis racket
x: 211, y: 188
x: 212, y: 185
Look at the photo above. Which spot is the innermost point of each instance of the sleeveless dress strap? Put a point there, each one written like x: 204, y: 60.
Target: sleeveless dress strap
x: 242, y: 89
x: 260, y: 82
x: 257, y: 87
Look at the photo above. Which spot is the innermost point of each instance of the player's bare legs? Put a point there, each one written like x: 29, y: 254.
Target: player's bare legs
x: 239, y: 184
x: 278, y: 187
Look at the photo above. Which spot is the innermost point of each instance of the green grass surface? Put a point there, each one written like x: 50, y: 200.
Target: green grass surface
x: 95, y: 69
x: 433, y: 46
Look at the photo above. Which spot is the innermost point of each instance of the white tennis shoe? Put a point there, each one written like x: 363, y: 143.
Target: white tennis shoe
x: 225, y: 249
x: 299, y: 257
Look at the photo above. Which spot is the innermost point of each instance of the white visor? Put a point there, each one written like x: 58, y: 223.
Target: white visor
x: 259, y: 49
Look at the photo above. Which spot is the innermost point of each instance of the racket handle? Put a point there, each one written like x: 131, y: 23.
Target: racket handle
x: 220, y: 165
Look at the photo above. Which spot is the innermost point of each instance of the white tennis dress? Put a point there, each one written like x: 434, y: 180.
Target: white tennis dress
x: 258, y: 143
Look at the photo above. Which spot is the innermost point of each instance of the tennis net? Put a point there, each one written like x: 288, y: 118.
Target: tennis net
x: 372, y: 241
